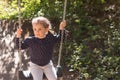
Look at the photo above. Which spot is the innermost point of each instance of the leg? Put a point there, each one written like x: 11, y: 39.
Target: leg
x: 36, y: 71
x: 50, y: 71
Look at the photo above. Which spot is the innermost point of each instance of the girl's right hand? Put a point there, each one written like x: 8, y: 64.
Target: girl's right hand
x: 19, y: 32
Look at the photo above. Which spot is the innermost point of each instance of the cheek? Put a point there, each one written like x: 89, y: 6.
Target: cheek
x: 47, y: 29
x: 42, y: 32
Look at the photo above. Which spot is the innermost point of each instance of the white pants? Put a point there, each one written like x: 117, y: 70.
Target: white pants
x: 48, y: 70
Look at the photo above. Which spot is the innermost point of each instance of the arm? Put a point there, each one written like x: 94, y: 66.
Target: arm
x: 61, y: 31
x: 23, y: 44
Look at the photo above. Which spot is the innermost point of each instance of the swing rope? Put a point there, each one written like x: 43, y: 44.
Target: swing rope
x: 20, y: 24
x: 61, y: 42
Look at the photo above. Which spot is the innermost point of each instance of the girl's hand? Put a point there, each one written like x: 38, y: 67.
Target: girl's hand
x: 62, y: 25
x: 19, y: 32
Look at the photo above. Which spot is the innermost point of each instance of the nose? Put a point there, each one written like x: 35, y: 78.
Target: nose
x: 36, y: 32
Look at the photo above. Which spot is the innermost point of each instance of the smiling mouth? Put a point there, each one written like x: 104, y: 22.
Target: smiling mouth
x: 37, y: 34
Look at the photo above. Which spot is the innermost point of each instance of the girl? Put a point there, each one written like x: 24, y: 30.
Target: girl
x: 41, y: 47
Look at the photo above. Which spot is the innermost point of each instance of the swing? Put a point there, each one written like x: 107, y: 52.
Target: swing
x: 26, y: 75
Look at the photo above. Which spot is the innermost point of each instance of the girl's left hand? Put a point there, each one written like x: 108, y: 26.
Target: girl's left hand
x: 62, y: 25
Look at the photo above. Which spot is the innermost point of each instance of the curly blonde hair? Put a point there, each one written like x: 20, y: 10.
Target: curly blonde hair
x: 42, y: 20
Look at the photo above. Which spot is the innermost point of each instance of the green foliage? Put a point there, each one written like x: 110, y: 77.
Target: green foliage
x: 29, y: 9
x: 6, y: 11
x: 95, y: 34
x: 94, y: 64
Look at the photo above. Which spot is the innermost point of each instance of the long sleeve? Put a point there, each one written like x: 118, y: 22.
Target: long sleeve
x: 40, y: 50
x: 59, y: 36
x: 22, y: 44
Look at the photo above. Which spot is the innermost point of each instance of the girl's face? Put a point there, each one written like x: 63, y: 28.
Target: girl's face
x: 39, y: 30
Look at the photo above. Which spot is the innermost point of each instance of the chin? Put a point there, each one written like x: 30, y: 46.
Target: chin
x: 37, y: 36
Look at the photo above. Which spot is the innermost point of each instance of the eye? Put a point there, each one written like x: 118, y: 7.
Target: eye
x: 39, y: 29
x: 34, y: 29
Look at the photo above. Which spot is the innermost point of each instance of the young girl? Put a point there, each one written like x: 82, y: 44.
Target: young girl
x: 41, y: 48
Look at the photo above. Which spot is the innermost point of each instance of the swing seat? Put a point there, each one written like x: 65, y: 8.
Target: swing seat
x: 59, y: 71
x: 25, y: 75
